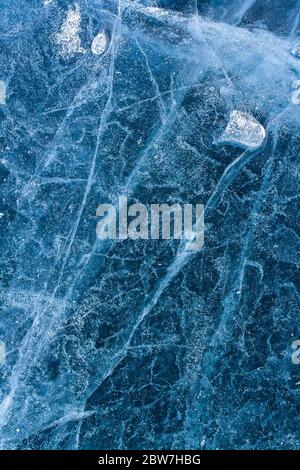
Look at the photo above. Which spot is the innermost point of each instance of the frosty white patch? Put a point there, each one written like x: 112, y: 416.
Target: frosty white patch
x: 243, y: 130
x: 156, y: 11
x: 99, y: 43
x: 68, y: 38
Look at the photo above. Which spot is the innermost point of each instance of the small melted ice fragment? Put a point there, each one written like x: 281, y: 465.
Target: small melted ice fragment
x: 295, y: 97
x: 99, y: 44
x: 2, y: 92
x: 2, y: 352
x: 244, y: 131
x: 295, y: 51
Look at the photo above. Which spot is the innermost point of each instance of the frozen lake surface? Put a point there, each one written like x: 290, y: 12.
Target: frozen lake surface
x: 143, y: 344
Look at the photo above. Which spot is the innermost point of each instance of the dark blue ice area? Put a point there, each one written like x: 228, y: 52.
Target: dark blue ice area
x: 128, y: 345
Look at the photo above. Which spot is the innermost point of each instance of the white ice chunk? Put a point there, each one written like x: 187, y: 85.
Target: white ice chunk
x: 2, y: 92
x: 243, y: 130
x: 99, y: 43
x: 68, y: 38
x: 2, y: 352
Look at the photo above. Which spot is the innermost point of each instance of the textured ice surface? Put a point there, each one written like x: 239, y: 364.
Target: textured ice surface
x: 244, y: 131
x: 145, y: 344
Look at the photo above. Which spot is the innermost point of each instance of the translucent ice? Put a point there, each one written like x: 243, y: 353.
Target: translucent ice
x: 145, y: 345
x: 243, y: 130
